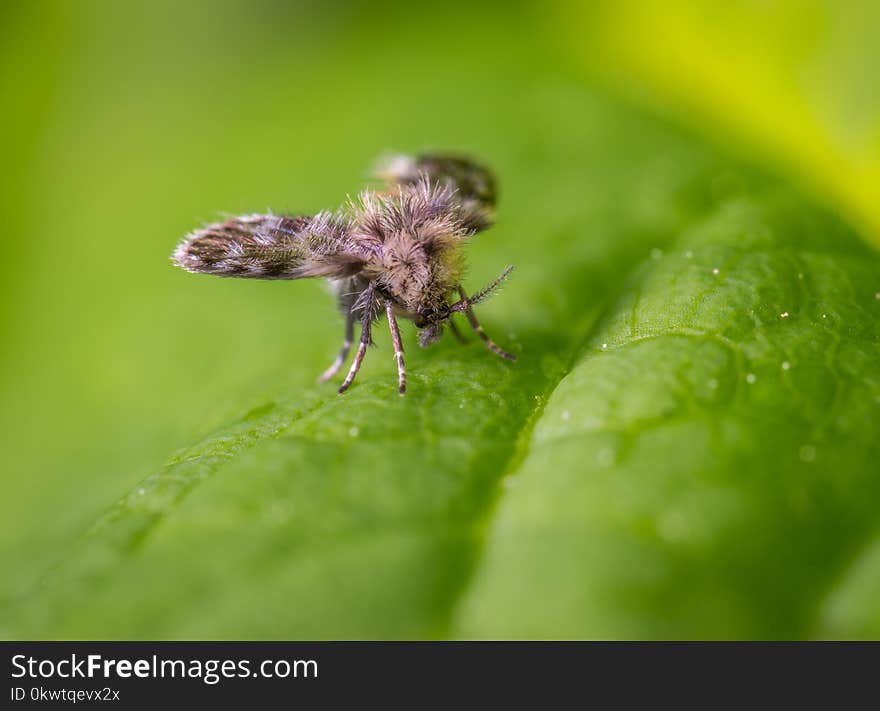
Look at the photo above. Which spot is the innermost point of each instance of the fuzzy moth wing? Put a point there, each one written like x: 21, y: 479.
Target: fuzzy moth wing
x: 271, y: 247
x: 474, y: 184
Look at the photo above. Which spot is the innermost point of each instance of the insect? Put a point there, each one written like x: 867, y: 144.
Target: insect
x: 395, y: 249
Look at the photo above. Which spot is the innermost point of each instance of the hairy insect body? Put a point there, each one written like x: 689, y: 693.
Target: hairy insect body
x: 399, y: 248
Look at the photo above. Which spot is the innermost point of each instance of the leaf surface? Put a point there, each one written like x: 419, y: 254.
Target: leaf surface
x: 686, y: 447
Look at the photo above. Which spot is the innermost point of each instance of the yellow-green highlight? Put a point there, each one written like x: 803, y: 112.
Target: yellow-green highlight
x: 794, y: 82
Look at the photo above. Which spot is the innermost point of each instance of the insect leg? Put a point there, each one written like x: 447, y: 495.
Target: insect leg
x: 472, y: 320
x: 343, y: 353
x: 398, y: 348
x: 456, y: 331
x: 366, y: 328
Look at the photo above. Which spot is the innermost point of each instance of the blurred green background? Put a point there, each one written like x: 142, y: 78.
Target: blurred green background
x: 611, y: 127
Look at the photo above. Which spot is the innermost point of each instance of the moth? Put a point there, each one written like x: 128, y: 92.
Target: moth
x: 395, y: 249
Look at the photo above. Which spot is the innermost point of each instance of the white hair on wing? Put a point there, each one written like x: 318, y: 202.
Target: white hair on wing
x: 399, y: 167
x: 234, y: 249
x: 326, y: 232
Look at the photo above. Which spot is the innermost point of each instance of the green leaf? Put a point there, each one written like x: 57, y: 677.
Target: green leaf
x: 709, y: 466
x: 678, y: 452
x: 686, y: 448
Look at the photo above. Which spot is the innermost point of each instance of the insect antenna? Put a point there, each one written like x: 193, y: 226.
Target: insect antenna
x: 483, y: 293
